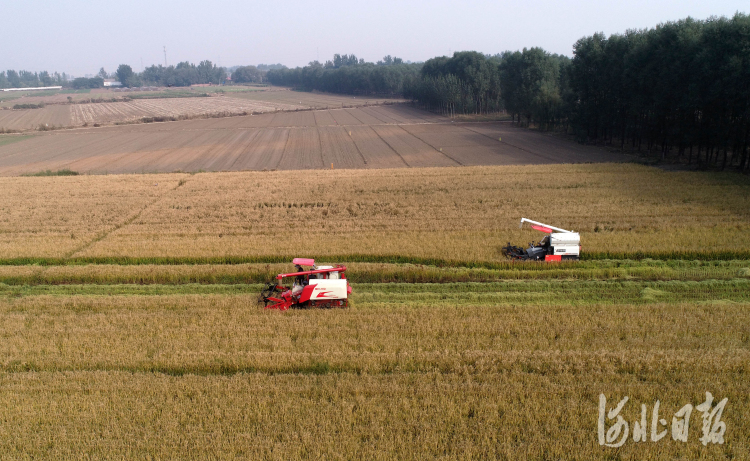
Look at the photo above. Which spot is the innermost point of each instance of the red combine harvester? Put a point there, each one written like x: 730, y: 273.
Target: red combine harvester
x: 321, y: 286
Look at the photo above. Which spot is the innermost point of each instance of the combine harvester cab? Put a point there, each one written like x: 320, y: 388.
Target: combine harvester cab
x: 558, y: 245
x: 321, y: 286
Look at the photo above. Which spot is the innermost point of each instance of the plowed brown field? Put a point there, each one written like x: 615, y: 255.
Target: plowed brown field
x: 369, y: 137
x: 59, y: 114
x: 30, y: 119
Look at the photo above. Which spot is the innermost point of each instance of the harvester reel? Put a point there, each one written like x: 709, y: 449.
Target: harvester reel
x: 514, y: 252
x: 271, y: 290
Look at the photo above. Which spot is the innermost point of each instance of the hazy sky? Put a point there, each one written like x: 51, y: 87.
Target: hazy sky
x: 79, y: 37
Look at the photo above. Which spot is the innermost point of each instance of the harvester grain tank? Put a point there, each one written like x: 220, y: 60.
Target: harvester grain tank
x: 320, y: 286
x: 558, y: 245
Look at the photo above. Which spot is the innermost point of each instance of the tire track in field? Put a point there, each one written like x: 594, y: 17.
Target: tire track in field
x: 546, y: 157
x: 286, y: 146
x: 104, y: 234
x: 355, y: 144
x: 436, y: 149
x: 390, y: 147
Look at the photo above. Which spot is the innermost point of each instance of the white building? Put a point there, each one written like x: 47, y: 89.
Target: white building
x: 111, y: 82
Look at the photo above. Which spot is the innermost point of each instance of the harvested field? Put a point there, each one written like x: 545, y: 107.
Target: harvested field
x: 31, y: 119
x: 411, y: 138
x: 114, y: 112
x: 234, y: 101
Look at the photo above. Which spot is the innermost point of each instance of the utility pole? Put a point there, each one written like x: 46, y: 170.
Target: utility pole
x: 165, y: 56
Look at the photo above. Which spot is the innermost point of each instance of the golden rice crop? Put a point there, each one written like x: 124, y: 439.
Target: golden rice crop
x: 461, y: 214
x: 518, y: 415
x: 376, y: 381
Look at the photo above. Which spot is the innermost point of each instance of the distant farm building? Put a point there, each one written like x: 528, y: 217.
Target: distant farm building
x: 111, y: 82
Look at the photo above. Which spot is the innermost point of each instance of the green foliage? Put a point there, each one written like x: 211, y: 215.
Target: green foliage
x: 63, y: 172
x: 532, y: 84
x: 681, y: 86
x: 29, y: 106
x: 87, y: 83
x: 247, y: 74
x: 184, y: 74
x: 125, y: 75
x: 349, y: 75
x: 466, y: 83
x: 26, y: 79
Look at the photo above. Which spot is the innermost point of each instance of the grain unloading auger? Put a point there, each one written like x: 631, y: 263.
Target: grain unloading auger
x: 557, y: 245
x: 321, y: 286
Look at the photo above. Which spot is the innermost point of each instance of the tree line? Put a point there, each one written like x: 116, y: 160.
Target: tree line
x: 680, y: 90
x: 183, y: 74
x: 26, y: 79
x: 348, y: 74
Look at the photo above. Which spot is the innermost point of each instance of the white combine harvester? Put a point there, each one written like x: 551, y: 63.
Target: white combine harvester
x: 557, y: 245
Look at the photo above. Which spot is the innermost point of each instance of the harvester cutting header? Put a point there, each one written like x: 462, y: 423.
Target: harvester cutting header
x: 558, y: 245
x: 321, y: 286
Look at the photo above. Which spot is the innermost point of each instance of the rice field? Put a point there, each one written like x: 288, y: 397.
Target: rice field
x: 497, y: 370
x: 131, y: 328
x: 461, y: 215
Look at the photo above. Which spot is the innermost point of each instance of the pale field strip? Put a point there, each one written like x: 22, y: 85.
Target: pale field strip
x: 167, y: 107
x: 461, y: 214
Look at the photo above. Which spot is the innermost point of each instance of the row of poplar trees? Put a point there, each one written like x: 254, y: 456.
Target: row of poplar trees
x: 350, y: 75
x: 681, y: 89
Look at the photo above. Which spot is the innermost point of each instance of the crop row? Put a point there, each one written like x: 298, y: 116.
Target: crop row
x: 244, y: 273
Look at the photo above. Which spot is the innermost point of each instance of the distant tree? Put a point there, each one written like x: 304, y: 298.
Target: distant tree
x: 247, y: 74
x: 28, y: 79
x: 464, y: 83
x: 13, y: 79
x: 45, y: 78
x: 81, y: 83
x: 102, y: 73
x: 125, y: 75
x: 208, y: 72
x: 267, y: 67
x: 347, y: 74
